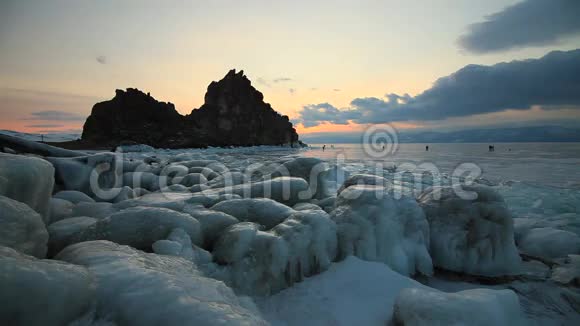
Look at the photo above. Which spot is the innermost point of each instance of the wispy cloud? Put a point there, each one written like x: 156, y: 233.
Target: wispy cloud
x: 281, y: 80
x: 263, y: 82
x: 269, y: 82
x: 55, y: 115
x: 528, y: 23
x: 292, y: 91
x: 45, y: 126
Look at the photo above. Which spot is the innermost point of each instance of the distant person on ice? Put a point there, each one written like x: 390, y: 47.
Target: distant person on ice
x: 427, y: 148
x: 323, y: 147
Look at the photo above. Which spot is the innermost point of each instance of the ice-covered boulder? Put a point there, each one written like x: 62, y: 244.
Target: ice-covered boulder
x: 208, y: 173
x: 96, y: 210
x: 312, y: 243
x: 306, y: 207
x: 29, y: 180
x: 62, y: 232
x: 146, y: 180
x: 212, y: 222
x: 60, y: 209
x: 22, y: 228
x: 264, y: 262
x: 375, y: 226
x: 171, y: 200
x: 73, y: 196
x: 327, y: 204
x: 42, y: 292
x: 549, y: 243
x: 311, y: 169
x: 136, y: 288
x: 364, y: 179
x: 140, y: 227
x: 477, y: 307
x: 287, y: 190
x: 228, y: 179
x: 123, y: 193
x: 472, y: 233
x: 568, y: 272
x: 256, y: 259
x: 263, y: 211
x: 191, y: 179
x: 178, y: 243
x: 93, y: 175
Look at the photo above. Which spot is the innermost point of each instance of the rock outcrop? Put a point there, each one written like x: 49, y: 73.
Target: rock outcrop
x: 234, y: 113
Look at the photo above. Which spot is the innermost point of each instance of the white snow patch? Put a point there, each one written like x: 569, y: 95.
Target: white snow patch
x: 351, y: 292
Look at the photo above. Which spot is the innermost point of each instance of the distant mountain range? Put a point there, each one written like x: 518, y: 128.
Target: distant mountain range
x: 487, y: 135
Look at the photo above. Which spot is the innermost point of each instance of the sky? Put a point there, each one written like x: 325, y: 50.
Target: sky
x: 331, y: 66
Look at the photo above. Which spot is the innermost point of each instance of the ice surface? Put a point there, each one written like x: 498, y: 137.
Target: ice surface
x: 375, y: 226
x: 135, y: 148
x: 549, y: 243
x: 28, y: 180
x: 42, y: 292
x: 136, y: 288
x: 299, y: 246
x: 477, y: 307
x: 263, y: 211
x: 351, y: 292
x: 140, y: 227
x: 22, y: 228
x: 471, y: 236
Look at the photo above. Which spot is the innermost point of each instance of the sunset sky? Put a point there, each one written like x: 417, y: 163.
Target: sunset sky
x: 309, y: 58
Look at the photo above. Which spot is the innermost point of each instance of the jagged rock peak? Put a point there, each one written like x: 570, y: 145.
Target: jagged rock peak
x: 234, y: 113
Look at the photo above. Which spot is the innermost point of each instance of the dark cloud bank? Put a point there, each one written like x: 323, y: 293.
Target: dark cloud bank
x: 551, y: 81
x: 528, y: 23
